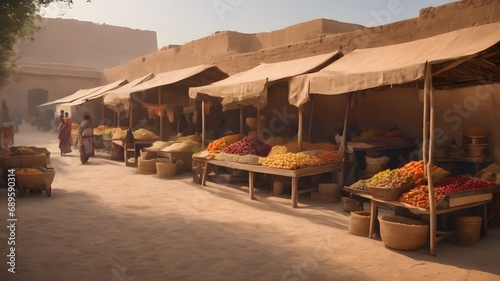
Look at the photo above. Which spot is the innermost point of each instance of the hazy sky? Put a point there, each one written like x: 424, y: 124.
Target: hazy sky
x: 178, y: 22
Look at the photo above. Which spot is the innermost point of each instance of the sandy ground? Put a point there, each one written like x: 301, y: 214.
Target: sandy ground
x: 105, y: 221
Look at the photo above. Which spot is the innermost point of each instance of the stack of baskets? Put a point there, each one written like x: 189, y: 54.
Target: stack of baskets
x: 328, y: 193
x: 476, y: 142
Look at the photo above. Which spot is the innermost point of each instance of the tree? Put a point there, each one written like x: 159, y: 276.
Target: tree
x: 17, y: 22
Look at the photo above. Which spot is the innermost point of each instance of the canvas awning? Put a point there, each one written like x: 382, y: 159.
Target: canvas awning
x: 78, y: 94
x: 169, y: 85
x: 457, y: 58
x: 118, y: 99
x: 99, y: 93
x: 250, y: 87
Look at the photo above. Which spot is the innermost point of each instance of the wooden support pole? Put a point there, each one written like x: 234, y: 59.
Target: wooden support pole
x: 432, y: 201
x: 241, y: 119
x: 425, y: 134
x: 311, y: 119
x: 202, y: 125
x: 343, y: 145
x: 258, y: 122
x: 299, y: 136
x: 130, y: 114
x: 161, y: 114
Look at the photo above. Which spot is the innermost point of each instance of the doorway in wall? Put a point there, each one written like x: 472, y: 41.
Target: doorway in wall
x: 36, y: 97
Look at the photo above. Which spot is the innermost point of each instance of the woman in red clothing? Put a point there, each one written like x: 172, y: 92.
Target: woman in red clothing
x: 65, y: 134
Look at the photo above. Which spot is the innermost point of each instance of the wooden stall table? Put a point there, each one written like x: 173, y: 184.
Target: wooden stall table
x: 130, y: 149
x: 482, y: 200
x: 293, y: 174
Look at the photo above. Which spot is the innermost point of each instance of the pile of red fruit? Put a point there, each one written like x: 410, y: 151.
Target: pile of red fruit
x: 459, y: 183
x: 248, y: 145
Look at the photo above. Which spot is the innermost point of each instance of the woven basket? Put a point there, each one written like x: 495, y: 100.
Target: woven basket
x: 402, y: 233
x: 469, y: 230
x: 165, y: 170
x: 146, y: 166
x: 389, y: 193
x: 329, y: 189
x: 40, y: 181
x: 352, y: 205
x: 359, y: 223
x: 28, y: 161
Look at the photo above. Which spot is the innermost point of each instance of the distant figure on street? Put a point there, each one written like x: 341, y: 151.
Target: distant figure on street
x: 86, y: 139
x: 64, y: 134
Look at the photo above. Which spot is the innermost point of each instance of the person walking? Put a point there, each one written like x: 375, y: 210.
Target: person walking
x: 86, y: 139
x: 64, y: 134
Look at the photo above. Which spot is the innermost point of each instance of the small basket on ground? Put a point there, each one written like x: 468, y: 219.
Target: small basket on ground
x: 359, y: 223
x: 165, y: 169
x: 352, y: 204
x: 402, y: 233
x: 146, y: 166
x: 469, y: 230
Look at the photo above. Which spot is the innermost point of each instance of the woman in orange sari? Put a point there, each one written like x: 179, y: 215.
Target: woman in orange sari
x: 65, y: 134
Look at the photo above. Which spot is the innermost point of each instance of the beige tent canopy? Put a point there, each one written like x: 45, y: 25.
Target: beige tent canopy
x: 250, y: 87
x: 458, y: 58
x: 465, y: 57
x: 99, y: 93
x: 78, y: 94
x: 167, y: 87
x: 118, y: 99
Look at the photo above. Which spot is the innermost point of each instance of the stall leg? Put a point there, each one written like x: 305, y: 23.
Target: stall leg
x: 373, y: 218
x: 295, y: 195
x: 251, y: 179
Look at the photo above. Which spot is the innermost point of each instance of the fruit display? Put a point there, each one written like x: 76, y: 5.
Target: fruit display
x: 361, y: 184
x: 416, y: 169
x: 328, y: 156
x: 289, y: 160
x: 391, y: 178
x: 387, y: 178
x: 292, y: 161
x: 248, y: 145
x: 31, y: 171
x: 21, y: 151
x: 278, y: 149
x: 219, y: 144
x: 419, y: 196
x: 459, y: 183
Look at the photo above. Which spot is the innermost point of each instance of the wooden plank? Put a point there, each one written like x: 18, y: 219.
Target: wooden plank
x: 459, y: 201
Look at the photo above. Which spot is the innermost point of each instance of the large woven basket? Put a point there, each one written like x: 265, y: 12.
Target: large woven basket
x: 402, y: 233
x: 469, y: 229
x: 389, y: 193
x: 39, y: 181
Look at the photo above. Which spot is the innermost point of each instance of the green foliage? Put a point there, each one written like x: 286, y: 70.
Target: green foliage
x: 17, y: 22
